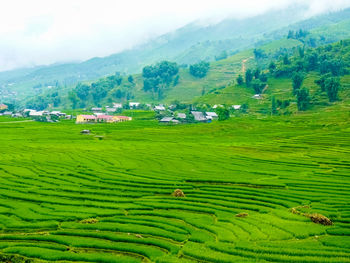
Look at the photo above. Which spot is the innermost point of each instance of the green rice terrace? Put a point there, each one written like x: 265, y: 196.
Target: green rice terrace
x: 250, y: 189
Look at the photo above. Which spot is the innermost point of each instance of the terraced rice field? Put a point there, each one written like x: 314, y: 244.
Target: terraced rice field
x: 71, y: 197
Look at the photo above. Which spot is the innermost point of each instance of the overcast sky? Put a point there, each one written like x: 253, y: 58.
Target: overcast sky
x: 39, y: 32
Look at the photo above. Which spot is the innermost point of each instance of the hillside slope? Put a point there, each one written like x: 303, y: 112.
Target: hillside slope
x: 186, y: 45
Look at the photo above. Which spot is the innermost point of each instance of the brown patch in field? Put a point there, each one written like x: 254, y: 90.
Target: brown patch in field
x: 315, y: 217
x: 242, y: 215
x: 179, y: 193
x: 319, y: 219
x: 89, y: 221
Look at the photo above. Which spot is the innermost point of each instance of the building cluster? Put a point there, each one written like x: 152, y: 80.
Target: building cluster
x: 196, y: 116
x: 101, y: 118
x: 44, y: 115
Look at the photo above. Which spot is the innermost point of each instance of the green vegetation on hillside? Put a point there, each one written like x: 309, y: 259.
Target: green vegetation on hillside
x: 188, y: 45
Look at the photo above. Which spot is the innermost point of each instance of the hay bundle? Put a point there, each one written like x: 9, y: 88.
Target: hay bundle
x: 178, y: 193
x: 319, y: 219
x: 295, y: 211
x: 242, y: 215
x: 89, y: 221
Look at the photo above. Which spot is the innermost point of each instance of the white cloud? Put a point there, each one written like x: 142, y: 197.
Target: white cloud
x: 43, y: 32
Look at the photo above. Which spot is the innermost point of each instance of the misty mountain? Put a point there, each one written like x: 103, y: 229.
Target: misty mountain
x: 190, y: 44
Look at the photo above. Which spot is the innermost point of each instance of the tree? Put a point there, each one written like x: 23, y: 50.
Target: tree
x: 286, y: 60
x: 263, y: 77
x: 272, y: 67
x: 322, y: 81
x: 258, y: 86
x: 259, y: 53
x: 82, y: 91
x: 98, y: 92
x: 73, y: 98
x: 131, y: 79
x: 332, y: 86
x: 223, y: 114
x: 244, y: 108
x: 334, y: 66
x: 200, y: 69
x: 303, y: 99
x: 256, y: 73
x: 240, y: 80
x: 297, y: 79
x: 158, y: 77
x: 248, y: 76
x: 311, y: 59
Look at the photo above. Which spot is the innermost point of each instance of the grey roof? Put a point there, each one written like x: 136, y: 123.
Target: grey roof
x: 181, y: 115
x: 198, y: 116
x: 211, y: 114
x: 167, y: 119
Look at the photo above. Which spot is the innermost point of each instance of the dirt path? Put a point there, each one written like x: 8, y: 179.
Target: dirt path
x: 7, y: 122
x: 244, y: 61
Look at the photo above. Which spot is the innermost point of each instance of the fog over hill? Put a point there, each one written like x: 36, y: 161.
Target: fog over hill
x: 200, y: 40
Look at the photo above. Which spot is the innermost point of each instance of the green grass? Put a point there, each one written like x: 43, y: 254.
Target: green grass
x: 52, y: 177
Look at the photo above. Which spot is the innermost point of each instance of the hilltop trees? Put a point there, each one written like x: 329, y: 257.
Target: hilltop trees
x: 82, y: 91
x: 158, y: 77
x: 200, y: 69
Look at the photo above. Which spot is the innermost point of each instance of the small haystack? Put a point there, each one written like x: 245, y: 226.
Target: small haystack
x: 319, y: 219
x: 89, y: 221
x: 178, y: 193
x: 242, y: 215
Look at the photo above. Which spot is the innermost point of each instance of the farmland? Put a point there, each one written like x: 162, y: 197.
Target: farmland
x: 107, y: 196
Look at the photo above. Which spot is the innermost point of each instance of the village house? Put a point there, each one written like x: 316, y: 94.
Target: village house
x: 257, y: 96
x: 58, y: 113
x: 7, y: 113
x: 218, y: 106
x: 169, y: 120
x: 117, y: 105
x: 211, y: 115
x: 34, y: 113
x: 96, y: 109
x: 111, y: 110
x: 199, y: 116
x: 101, y: 118
x: 181, y: 115
x: 134, y: 105
x: 236, y: 107
x: 159, y: 108
x: 86, y: 119
x: 17, y: 115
